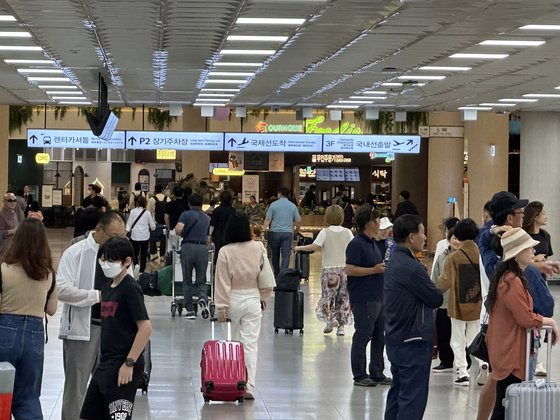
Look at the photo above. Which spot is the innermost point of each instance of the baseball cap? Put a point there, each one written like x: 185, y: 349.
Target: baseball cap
x: 505, y: 201
x: 384, y: 223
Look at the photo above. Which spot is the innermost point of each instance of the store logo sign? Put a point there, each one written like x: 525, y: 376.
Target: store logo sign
x: 312, y: 125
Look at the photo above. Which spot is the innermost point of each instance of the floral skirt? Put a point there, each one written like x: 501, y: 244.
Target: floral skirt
x: 335, y: 302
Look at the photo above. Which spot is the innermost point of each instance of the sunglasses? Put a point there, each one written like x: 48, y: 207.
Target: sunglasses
x: 10, y: 200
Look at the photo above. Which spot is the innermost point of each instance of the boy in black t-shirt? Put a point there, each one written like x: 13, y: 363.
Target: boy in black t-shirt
x: 125, y: 331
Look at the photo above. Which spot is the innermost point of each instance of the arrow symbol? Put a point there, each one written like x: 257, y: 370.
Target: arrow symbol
x: 131, y: 140
x: 232, y: 141
x: 409, y: 142
x: 33, y: 138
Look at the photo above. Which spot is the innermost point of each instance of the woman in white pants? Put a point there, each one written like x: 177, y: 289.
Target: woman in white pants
x: 461, y: 276
x: 237, y: 294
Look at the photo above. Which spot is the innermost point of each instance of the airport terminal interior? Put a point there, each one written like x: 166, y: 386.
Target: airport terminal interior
x: 446, y: 110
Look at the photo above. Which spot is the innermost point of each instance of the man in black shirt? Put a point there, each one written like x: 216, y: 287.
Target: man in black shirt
x: 405, y: 206
x: 218, y: 222
x: 94, y: 199
x: 309, y: 199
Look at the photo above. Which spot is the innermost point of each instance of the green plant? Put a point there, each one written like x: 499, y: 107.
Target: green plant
x: 19, y: 115
x: 60, y: 111
x: 159, y: 118
x: 255, y: 112
x: 265, y: 113
x: 359, y: 116
x: 117, y: 111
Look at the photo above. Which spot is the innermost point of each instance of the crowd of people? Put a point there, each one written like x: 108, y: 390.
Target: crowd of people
x: 493, y: 275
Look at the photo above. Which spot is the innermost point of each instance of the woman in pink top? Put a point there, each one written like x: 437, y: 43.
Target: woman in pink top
x: 237, y: 294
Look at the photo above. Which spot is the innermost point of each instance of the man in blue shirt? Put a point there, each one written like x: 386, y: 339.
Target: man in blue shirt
x: 193, y: 228
x: 410, y: 298
x: 281, y: 217
x: 365, y: 268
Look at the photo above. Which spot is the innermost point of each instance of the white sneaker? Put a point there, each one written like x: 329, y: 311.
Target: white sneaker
x: 540, y: 370
x: 482, y: 374
x: 330, y: 326
x: 136, y: 270
x: 340, y: 330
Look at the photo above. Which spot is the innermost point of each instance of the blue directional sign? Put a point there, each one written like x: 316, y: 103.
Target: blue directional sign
x: 258, y: 142
x: 149, y: 140
x: 79, y: 139
x: 342, y: 143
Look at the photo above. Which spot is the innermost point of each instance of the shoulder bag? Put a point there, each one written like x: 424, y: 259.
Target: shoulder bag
x: 266, y: 276
x: 478, y: 347
x: 129, y: 233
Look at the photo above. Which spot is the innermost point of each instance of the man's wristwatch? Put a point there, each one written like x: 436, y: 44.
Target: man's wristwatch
x: 130, y: 362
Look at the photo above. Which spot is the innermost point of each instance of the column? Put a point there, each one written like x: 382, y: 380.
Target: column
x: 487, y: 174
x: 445, y: 175
x: 540, y: 171
x: 196, y: 162
x: 4, y: 147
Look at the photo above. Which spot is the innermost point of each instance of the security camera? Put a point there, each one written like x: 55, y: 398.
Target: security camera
x: 275, y: 108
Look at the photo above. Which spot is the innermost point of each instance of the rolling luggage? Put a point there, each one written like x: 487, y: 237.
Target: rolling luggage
x: 145, y: 378
x: 222, y: 369
x: 534, y: 400
x: 303, y: 264
x: 288, y: 311
x: 288, y: 280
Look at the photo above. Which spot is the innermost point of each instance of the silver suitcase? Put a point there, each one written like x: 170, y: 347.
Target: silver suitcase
x: 534, y: 400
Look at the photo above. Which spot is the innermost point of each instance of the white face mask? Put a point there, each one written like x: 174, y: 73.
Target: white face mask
x: 111, y: 269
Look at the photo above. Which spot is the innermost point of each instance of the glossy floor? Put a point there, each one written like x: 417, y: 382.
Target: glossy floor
x: 299, y: 377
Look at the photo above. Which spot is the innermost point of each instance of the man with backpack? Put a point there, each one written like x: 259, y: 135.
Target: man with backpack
x: 157, y: 206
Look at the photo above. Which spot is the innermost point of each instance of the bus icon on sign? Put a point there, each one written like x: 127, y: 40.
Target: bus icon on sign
x: 46, y: 139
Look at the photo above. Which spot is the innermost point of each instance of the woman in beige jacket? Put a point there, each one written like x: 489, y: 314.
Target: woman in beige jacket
x: 237, y: 294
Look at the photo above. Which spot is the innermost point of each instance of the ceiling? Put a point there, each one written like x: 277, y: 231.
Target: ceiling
x: 161, y: 51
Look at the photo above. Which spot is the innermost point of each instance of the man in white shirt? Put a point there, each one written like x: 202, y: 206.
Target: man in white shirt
x: 79, y: 281
x: 442, y: 245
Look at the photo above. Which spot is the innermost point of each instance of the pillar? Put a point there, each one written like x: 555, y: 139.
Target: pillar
x: 196, y: 162
x: 487, y: 174
x: 540, y: 172
x: 4, y: 146
x: 445, y: 175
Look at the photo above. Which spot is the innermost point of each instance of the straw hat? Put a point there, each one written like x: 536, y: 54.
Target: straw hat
x: 514, y: 241
x: 385, y: 223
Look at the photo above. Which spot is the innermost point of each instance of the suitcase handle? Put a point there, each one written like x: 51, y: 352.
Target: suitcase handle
x: 548, y: 351
x: 228, y: 322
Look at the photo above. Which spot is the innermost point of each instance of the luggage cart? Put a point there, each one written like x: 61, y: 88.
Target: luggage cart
x: 177, y: 299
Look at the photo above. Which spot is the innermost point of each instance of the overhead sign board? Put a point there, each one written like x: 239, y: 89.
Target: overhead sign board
x: 150, y: 140
x: 341, y: 143
x: 79, y: 139
x: 258, y: 142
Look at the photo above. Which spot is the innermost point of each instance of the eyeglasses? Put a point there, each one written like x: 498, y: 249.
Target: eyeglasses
x: 10, y: 200
x: 112, y: 236
x: 519, y: 212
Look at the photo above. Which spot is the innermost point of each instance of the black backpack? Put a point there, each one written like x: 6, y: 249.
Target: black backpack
x: 288, y: 280
x: 159, y: 215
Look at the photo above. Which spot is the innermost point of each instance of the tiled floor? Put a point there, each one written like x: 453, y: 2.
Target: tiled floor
x: 299, y: 377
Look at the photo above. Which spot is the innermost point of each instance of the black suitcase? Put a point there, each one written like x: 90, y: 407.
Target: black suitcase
x: 302, y: 264
x: 145, y: 378
x: 288, y: 311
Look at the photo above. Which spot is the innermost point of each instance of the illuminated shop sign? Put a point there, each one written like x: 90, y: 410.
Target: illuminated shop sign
x: 380, y: 174
x: 330, y: 159
x: 307, y: 172
x: 313, y: 126
x: 228, y: 172
x: 42, y: 158
x: 166, y: 154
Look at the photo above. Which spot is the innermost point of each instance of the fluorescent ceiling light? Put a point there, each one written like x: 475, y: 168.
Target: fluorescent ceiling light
x: 374, y: 92
x: 541, y: 27
x: 247, y: 52
x: 475, y: 108
x: 234, y: 81
x: 19, y: 48
x: 257, y: 38
x: 497, y: 104
x: 226, y: 95
x: 77, y: 98
x: 368, y: 97
x: 343, y: 106
x: 412, y: 77
x: 40, y: 71
x: 270, y: 21
x: 391, y: 84
x: 57, y: 87
x: 542, y: 95
x: 518, y: 100
x: 75, y: 103
x: 230, y: 73
x: 7, y: 18
x: 48, y: 79
x: 355, y: 102
x: 9, y: 34
x: 219, y: 90
x: 212, y: 99
x: 61, y: 92
x: 16, y: 61
x: 444, y: 68
x: 480, y: 56
x: 204, y: 104
x: 512, y: 43
x: 228, y: 64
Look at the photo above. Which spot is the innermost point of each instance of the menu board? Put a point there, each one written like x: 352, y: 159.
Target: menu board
x: 323, y: 174
x: 337, y: 174
x: 352, y: 174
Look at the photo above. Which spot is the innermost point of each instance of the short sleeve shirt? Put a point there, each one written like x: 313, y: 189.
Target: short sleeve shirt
x: 175, y: 209
x: 220, y: 217
x: 362, y: 251
x: 195, y: 232
x: 282, y: 214
x: 544, y: 246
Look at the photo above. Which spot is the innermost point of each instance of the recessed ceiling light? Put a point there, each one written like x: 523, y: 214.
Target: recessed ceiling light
x: 228, y: 64
x: 480, y: 56
x: 444, y: 68
x: 212, y: 99
x: 374, y: 92
x: 497, y: 104
x: 230, y: 73
x: 233, y: 81
x: 203, y: 104
x: 355, y: 102
x: 77, y: 98
x: 61, y: 92
x: 19, y: 48
x: 26, y: 71
x: 17, y: 61
x: 412, y: 77
x: 518, y: 100
x: 512, y: 43
x: 57, y: 87
x: 391, y: 84
x: 9, y: 34
x: 219, y: 90
x: 247, y: 52
x: 257, y: 38
x: 7, y: 18
x: 542, y: 95
x: 48, y: 79
x: 368, y: 97
x: 75, y: 103
x: 343, y: 106
x: 475, y: 108
x: 541, y: 27
x: 222, y: 95
x: 270, y: 21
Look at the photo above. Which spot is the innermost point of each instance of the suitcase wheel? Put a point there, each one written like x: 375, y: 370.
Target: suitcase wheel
x: 275, y: 330
x: 300, y: 332
x: 173, y: 309
x: 206, y: 400
x: 240, y: 400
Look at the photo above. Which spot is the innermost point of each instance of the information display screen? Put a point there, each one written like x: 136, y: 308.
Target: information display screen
x: 352, y: 174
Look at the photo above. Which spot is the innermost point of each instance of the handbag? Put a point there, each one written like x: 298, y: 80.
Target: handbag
x: 478, y: 347
x: 266, y: 276
x: 129, y: 233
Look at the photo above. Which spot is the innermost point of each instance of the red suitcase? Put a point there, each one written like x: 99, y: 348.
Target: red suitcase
x: 222, y: 368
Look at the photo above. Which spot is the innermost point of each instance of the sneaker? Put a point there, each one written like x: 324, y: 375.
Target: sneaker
x: 248, y: 396
x: 441, y: 368
x: 190, y: 315
x: 136, y: 270
x: 366, y: 382
x: 330, y: 327
x: 540, y: 370
x: 203, y: 305
x: 463, y: 381
x: 383, y: 381
x: 153, y: 257
x: 482, y: 374
x: 340, y: 330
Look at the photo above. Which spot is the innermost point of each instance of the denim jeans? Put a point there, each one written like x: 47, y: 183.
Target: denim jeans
x: 22, y: 343
x: 368, y: 324
x: 194, y: 256
x: 280, y: 244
